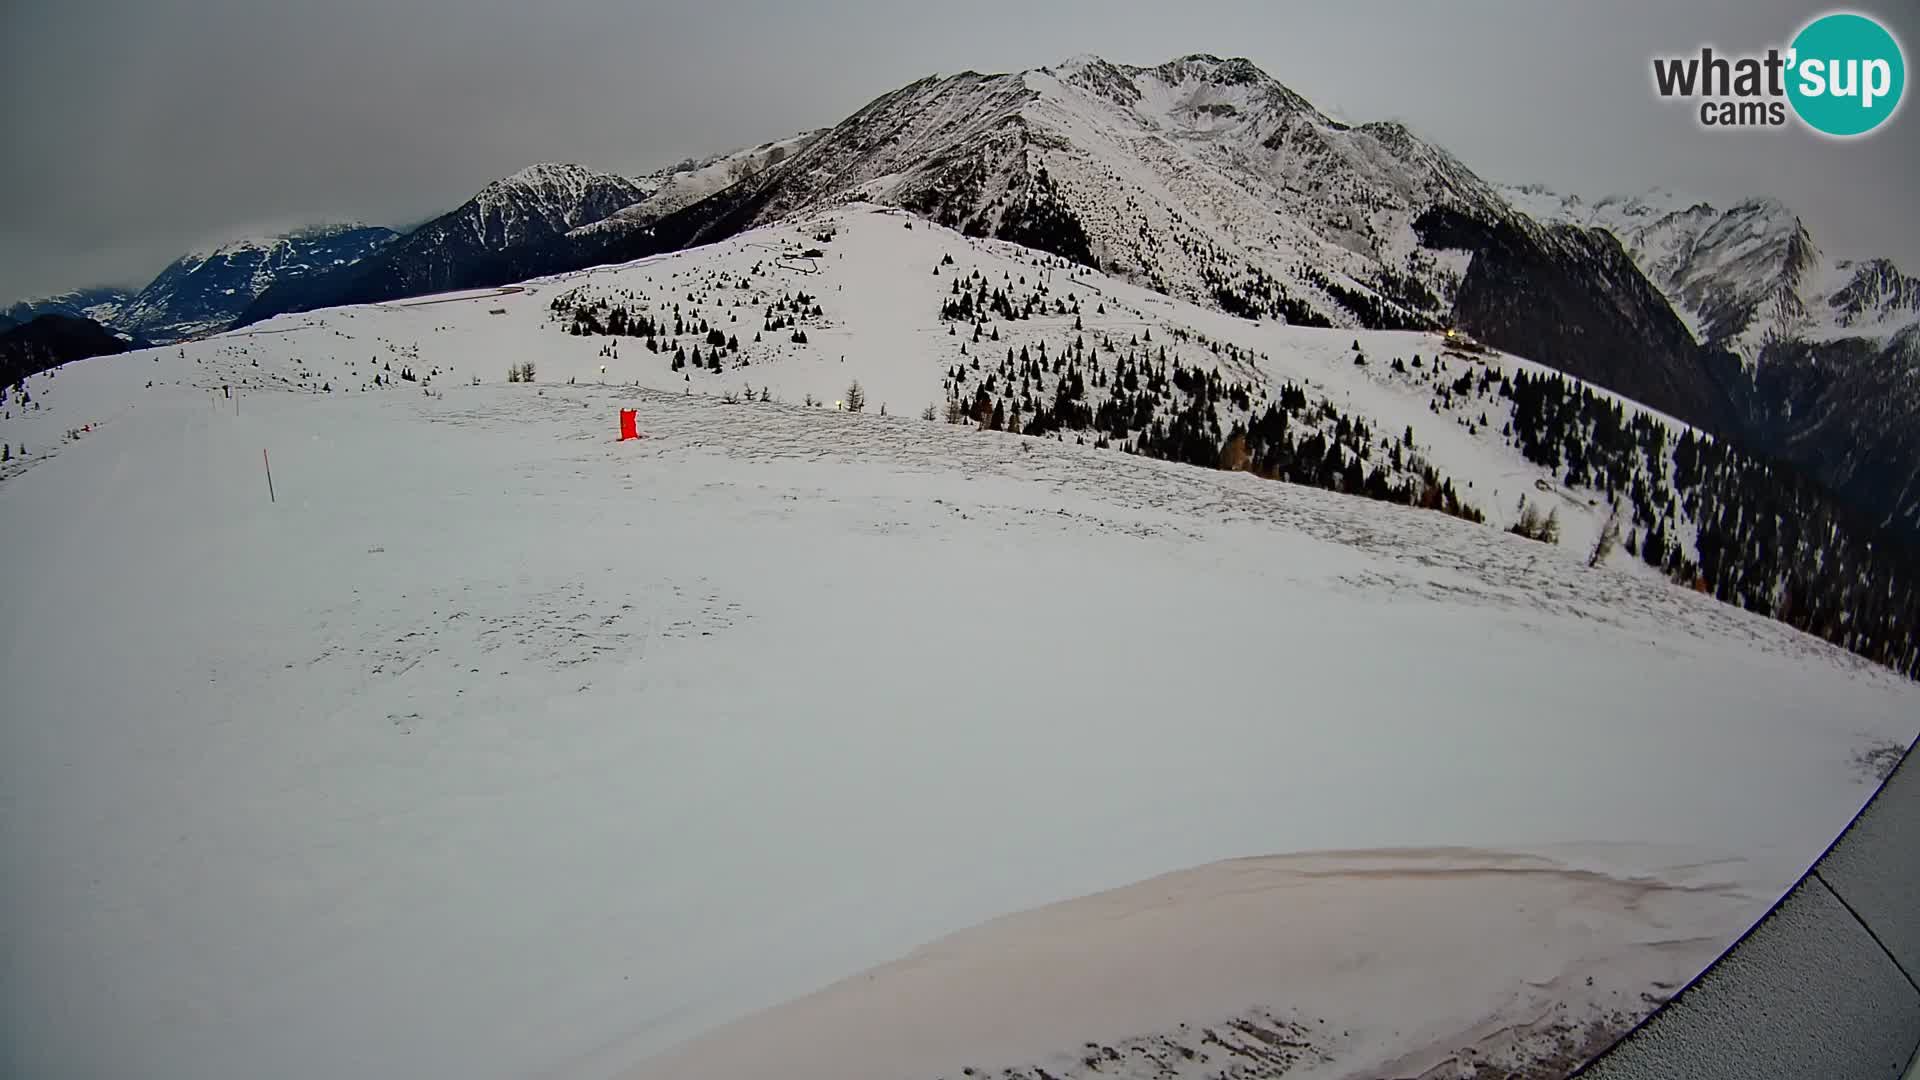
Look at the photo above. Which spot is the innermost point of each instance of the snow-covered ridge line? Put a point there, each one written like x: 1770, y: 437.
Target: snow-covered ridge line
x: 268, y: 241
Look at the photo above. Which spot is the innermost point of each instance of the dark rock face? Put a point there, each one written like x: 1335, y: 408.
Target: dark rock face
x: 1571, y: 298
x: 1847, y: 413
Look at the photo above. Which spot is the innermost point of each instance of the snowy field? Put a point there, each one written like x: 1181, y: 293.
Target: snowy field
x: 496, y: 748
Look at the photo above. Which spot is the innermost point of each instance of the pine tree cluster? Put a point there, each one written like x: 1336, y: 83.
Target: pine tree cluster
x: 1763, y: 537
x: 1144, y: 400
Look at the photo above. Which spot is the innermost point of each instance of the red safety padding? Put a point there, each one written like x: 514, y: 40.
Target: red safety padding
x: 629, y: 424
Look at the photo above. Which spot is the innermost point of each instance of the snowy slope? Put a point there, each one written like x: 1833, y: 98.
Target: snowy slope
x: 494, y: 747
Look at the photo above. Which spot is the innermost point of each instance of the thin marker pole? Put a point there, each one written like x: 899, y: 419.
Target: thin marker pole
x: 269, y: 467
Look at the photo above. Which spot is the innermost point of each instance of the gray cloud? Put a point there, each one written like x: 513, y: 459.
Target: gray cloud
x: 140, y: 128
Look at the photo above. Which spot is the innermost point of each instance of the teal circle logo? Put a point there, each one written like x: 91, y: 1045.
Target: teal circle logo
x: 1847, y: 74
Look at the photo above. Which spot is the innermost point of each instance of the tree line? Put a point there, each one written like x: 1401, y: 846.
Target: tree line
x: 1750, y: 532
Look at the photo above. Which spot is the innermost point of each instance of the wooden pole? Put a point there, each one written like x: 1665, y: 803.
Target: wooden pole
x: 269, y: 468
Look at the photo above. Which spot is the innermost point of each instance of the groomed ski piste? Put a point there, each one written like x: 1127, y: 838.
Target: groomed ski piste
x: 789, y: 741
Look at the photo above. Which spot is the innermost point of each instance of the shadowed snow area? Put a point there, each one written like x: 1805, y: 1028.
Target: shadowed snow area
x: 1380, y: 963
x: 496, y: 748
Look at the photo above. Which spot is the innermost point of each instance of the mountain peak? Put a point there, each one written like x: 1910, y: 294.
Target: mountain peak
x: 550, y: 177
x: 1237, y: 68
x: 1081, y: 61
x: 549, y: 172
x: 1177, y: 91
x: 565, y: 192
x: 1768, y: 208
x: 1233, y: 71
x: 232, y: 245
x: 267, y: 241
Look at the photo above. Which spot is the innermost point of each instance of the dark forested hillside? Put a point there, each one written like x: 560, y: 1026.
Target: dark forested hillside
x: 1753, y: 533
x: 49, y: 341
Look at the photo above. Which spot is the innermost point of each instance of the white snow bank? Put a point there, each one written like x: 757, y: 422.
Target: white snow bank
x: 1381, y: 963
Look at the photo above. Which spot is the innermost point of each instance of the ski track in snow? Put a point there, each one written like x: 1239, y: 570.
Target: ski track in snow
x: 497, y: 748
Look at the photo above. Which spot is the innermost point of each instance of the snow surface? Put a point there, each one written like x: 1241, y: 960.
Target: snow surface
x: 1067, y: 990
x: 494, y: 747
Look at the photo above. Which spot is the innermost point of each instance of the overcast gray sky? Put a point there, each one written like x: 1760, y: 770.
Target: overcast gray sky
x: 140, y: 128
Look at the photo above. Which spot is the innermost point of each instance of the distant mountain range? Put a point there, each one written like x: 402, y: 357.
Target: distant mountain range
x: 539, y: 220
x: 208, y: 290
x: 102, y: 305
x: 1207, y: 179
x: 1828, y: 350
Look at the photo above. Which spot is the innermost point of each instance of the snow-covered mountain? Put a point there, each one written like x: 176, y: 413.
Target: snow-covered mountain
x: 1830, y: 377
x: 1201, y: 177
x: 1207, y: 180
x: 206, y: 290
x: 503, y: 233
x: 536, y: 202
x: 102, y: 304
x: 1745, y: 275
